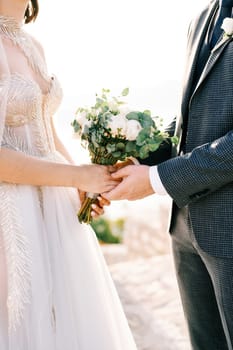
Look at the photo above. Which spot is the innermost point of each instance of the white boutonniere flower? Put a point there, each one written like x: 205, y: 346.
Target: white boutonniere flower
x: 227, y: 26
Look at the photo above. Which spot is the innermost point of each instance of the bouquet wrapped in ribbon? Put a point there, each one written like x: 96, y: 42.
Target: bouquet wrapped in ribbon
x: 112, y: 132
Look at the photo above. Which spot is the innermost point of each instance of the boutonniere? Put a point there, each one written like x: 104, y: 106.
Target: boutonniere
x: 227, y: 26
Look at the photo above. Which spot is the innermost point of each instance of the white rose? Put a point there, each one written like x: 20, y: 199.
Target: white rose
x: 113, y: 106
x: 227, y: 26
x: 94, y: 112
x: 133, y: 129
x: 117, y: 124
x: 124, y: 109
x: 81, y: 118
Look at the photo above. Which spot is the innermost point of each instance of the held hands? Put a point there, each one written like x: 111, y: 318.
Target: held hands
x: 135, y: 183
x: 98, y: 208
x: 93, y: 179
x: 96, y: 178
x: 124, y: 181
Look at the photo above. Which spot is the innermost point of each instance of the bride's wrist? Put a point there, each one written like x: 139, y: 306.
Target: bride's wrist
x: 80, y: 175
x: 77, y: 176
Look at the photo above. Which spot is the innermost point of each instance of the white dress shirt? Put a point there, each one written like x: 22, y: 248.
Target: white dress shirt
x: 156, y: 182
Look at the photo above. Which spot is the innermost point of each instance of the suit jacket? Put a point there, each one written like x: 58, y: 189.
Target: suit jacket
x: 202, y: 177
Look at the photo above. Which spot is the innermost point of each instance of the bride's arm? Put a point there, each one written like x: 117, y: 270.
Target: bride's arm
x: 19, y: 168
x: 60, y: 146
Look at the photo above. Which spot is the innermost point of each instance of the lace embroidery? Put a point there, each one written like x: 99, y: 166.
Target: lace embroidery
x: 13, y: 141
x: 22, y: 92
x: 18, y: 256
x: 12, y: 30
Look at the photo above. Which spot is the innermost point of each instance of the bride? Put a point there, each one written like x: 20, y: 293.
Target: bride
x: 55, y: 290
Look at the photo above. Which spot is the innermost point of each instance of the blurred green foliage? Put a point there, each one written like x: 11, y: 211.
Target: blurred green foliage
x: 108, y: 231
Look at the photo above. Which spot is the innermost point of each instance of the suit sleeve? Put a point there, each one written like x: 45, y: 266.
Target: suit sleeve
x: 196, y: 174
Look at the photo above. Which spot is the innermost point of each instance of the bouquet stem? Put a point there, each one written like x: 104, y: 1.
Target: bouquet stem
x: 84, y: 214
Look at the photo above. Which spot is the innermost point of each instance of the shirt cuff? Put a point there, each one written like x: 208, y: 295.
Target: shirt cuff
x: 156, y: 182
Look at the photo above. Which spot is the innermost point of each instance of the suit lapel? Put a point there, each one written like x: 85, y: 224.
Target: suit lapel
x: 215, y: 54
x: 196, y: 40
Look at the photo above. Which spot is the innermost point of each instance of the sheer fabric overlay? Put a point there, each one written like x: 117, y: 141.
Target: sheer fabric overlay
x: 56, y: 292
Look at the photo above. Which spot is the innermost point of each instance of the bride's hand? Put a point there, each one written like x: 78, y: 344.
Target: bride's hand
x: 96, y: 178
x: 98, y: 207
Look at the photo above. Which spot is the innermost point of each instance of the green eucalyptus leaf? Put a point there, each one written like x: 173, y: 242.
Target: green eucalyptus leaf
x: 77, y: 127
x: 154, y: 147
x: 133, y: 116
x: 146, y: 121
x: 94, y: 140
x: 130, y: 146
x: 123, y: 156
x: 125, y: 92
x: 86, y: 129
x: 143, y: 136
x: 158, y: 138
x: 105, y: 91
x: 99, y: 100
x: 111, y: 148
x: 116, y: 154
x: 120, y: 146
x: 175, y: 140
x: 147, y: 112
x: 144, y: 152
x: 102, y: 150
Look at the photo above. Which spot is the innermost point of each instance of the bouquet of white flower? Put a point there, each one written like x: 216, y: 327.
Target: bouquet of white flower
x: 112, y: 133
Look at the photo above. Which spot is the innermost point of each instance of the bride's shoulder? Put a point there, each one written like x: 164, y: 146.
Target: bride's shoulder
x: 38, y: 45
x: 4, y: 68
x: 5, y: 41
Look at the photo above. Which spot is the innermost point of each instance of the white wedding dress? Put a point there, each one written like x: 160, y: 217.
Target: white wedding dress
x: 55, y: 289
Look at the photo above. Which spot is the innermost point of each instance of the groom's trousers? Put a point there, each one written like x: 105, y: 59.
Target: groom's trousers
x: 206, y: 285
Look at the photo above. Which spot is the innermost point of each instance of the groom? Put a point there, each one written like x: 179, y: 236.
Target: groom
x: 199, y: 178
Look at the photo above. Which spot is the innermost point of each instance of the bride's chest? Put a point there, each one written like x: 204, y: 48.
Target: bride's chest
x: 27, y: 102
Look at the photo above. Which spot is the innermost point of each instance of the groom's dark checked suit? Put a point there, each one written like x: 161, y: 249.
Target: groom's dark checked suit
x: 200, y: 180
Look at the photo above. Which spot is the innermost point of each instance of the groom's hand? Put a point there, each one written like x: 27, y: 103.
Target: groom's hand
x: 135, y: 183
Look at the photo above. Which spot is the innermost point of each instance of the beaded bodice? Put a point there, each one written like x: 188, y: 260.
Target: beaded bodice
x: 32, y: 97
